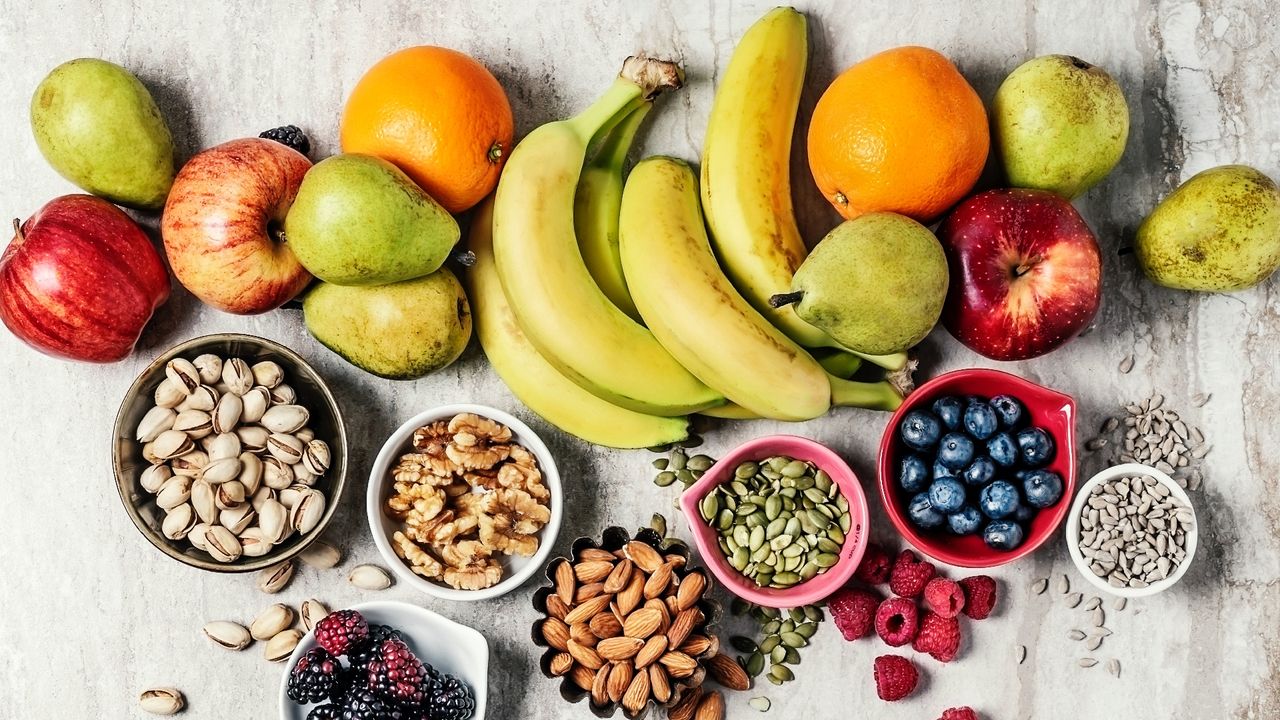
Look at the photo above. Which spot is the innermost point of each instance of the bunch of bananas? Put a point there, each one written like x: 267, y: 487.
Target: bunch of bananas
x: 604, y: 307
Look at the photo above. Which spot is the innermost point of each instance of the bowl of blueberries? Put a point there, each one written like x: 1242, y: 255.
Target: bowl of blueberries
x: 975, y: 465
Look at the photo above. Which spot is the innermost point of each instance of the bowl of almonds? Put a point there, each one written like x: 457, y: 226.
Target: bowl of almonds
x: 229, y: 453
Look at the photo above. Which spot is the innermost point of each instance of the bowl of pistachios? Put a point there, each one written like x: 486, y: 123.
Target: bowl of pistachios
x: 229, y: 453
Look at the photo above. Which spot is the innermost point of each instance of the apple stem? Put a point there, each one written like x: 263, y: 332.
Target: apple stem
x: 17, y: 230
x: 783, y: 299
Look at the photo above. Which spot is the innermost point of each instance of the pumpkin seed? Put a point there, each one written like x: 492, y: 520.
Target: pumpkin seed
x: 769, y: 643
x: 743, y: 644
x: 794, y: 639
x: 782, y: 673
x: 755, y: 664
x: 778, y: 654
x: 760, y: 703
x: 664, y: 478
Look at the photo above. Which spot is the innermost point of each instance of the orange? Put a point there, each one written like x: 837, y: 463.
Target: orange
x: 438, y: 115
x: 901, y: 131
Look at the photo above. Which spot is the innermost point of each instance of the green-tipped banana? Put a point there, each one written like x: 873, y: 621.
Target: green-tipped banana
x: 559, y: 306
x: 595, y: 211
x: 536, y: 382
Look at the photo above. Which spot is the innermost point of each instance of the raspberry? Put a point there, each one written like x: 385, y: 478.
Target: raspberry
x: 313, y: 677
x: 979, y: 596
x: 874, y: 568
x: 290, y: 136
x: 960, y: 713
x: 340, y: 631
x: 944, y: 597
x: 909, y: 575
x: 450, y: 700
x: 895, y: 677
x: 397, y: 675
x: 939, y: 636
x: 854, y: 612
x: 896, y: 620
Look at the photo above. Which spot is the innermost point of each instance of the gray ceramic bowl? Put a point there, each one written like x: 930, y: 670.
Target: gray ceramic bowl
x: 128, y: 463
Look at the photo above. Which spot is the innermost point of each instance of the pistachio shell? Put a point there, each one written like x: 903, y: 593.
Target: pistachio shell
x: 285, y: 418
x: 221, y: 471
x: 168, y: 395
x: 222, y: 545
x: 189, y: 464
x: 237, y: 519
x: 369, y: 577
x: 173, y: 443
x: 156, y: 421
x: 292, y: 494
x: 226, y: 415
x: 161, y: 701
x: 273, y: 519
x: 256, y: 402
x: 281, y: 646
x: 305, y: 515
x: 273, y: 620
x: 229, y: 494
x: 261, y: 496
x: 313, y: 611
x: 276, y: 474
x: 321, y: 554
x: 254, y: 544
x: 178, y: 522
x: 286, y: 448
x: 210, y: 368
x: 204, y: 501
x: 305, y: 434
x: 202, y: 398
x: 273, y: 579
x: 232, y: 636
x: 283, y: 394
x: 175, y: 491
x: 253, y: 438
x: 316, y: 457
x: 197, y: 536
x: 183, y: 374
x: 223, y: 445
x: 195, y: 423
x: 303, y: 476
x: 237, y: 375
x: 153, y: 477
x: 250, y: 472
x: 267, y: 374
x: 149, y: 453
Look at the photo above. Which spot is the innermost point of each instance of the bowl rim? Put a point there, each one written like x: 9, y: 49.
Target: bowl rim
x: 243, y: 564
x: 885, y: 474
x: 801, y: 448
x: 379, y: 476
x: 1071, y: 532
x: 473, y: 640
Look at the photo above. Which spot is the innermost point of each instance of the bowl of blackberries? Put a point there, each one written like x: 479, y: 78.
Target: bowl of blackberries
x: 977, y: 467
x: 386, y: 661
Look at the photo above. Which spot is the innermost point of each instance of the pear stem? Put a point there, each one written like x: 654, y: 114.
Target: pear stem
x: 464, y: 257
x: 784, y: 299
x: 17, y: 230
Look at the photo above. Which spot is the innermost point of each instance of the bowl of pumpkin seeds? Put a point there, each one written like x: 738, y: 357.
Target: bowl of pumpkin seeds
x: 781, y: 521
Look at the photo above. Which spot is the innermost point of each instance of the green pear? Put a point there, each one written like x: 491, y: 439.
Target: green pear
x: 400, y: 331
x: 875, y: 284
x: 98, y: 127
x: 1219, y: 231
x: 359, y: 220
x: 1060, y: 125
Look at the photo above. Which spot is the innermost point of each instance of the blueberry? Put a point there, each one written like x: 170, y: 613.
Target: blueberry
x: 1042, y: 488
x: 950, y: 410
x: 980, y: 420
x: 956, y: 450
x: 921, y: 513
x: 965, y: 521
x: 1009, y: 411
x: 1003, y: 449
x: 1036, y: 447
x: 942, y: 471
x: 913, y: 474
x: 979, y: 472
x: 1024, y: 514
x: 946, y: 495
x: 920, y: 430
x: 1002, y: 534
x: 999, y: 499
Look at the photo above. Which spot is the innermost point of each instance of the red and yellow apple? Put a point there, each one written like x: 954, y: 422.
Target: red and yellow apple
x: 1026, y: 273
x: 223, y: 225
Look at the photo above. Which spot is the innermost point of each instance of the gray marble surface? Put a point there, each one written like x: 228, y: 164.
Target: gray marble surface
x: 90, y: 614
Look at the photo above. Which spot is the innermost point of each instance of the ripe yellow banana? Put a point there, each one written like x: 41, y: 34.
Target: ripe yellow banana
x: 746, y: 171
x: 595, y: 211
x: 536, y: 382
x: 560, y: 308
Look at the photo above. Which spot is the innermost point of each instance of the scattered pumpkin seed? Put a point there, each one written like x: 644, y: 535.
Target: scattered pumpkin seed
x: 743, y: 644
x: 760, y: 703
x: 782, y: 673
x: 755, y: 664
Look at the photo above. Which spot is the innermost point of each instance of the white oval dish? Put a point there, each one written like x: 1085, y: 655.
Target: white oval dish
x: 1073, y: 530
x: 449, y: 647
x: 517, y: 569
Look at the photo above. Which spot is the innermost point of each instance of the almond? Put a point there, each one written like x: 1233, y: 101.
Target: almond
x: 591, y: 554
x: 561, y: 663
x: 605, y: 625
x: 677, y: 561
x: 676, y: 662
x: 585, y: 656
x: 657, y: 583
x: 565, y: 583
x: 637, y: 694
x: 698, y: 645
x: 672, y: 606
x: 652, y: 650
x: 620, y: 675
x: 619, y: 577
x: 592, y: 571
x: 659, y: 683
x: 556, y: 607
x: 643, y: 555
x: 600, y: 687
x: 690, y: 590
x: 587, y: 610
x: 661, y: 608
x: 582, y: 677
x: 683, y: 626
x: 581, y: 634
x: 711, y: 707
x: 642, y: 623
x: 686, y: 705
x: 619, y: 648
x: 629, y: 599
x: 556, y: 633
x: 588, y: 591
x: 726, y: 671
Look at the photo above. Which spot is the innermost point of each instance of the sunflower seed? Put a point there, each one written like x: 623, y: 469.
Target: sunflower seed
x: 1038, y: 587
x: 1200, y: 399
x: 1076, y: 635
x: 1113, y: 667
x: 1126, y: 364
x: 1093, y: 603
x: 1095, y: 642
x: 1073, y: 600
x: 1021, y: 653
x: 1087, y: 662
x: 1064, y: 584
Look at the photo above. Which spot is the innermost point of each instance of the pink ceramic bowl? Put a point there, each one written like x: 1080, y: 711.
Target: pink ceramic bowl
x: 801, y: 449
x: 1049, y: 409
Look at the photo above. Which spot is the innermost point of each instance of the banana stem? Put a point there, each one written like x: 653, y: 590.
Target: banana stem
x: 838, y: 362
x: 882, y: 395
x: 642, y: 79
x: 614, y: 148
x: 895, y: 362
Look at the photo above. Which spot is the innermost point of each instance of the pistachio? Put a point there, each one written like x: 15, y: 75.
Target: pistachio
x: 226, y: 414
x: 190, y: 463
x: 195, y: 423
x: 321, y: 554
x: 281, y: 646
x: 283, y: 394
x: 210, y: 368
x: 237, y: 519
x: 221, y: 471
x: 222, y: 544
x: 369, y: 577
x: 260, y: 497
x: 273, y: 579
x: 253, y: 438
x: 223, y: 445
x: 276, y: 474
x: 183, y: 374
x: 273, y: 520
x: 253, y: 543
x: 285, y: 418
x: 162, y: 701
x: 283, y: 447
x: 303, y: 476
x: 250, y: 472
x: 232, y: 636
x: 173, y: 443
x: 256, y: 402
x: 149, y: 453
x: 316, y: 458
x: 154, y: 477
x: 178, y: 522
x: 168, y: 395
x: 229, y: 495
x: 237, y: 375
x: 313, y: 611
x: 175, y: 491
x: 292, y: 494
x: 305, y: 515
x: 197, y: 536
x: 156, y: 421
x: 267, y: 374
x: 305, y: 434
x: 274, y: 619
x: 202, y: 398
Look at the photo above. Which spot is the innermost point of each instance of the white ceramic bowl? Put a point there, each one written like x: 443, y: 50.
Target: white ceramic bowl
x: 449, y: 647
x: 516, y: 569
x: 1073, y: 529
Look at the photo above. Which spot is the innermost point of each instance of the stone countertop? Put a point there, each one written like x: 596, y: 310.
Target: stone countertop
x: 91, y: 614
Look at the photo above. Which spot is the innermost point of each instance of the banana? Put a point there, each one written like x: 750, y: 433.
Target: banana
x: 692, y: 308
x: 595, y: 211
x: 560, y: 308
x: 746, y: 171
x: 536, y: 382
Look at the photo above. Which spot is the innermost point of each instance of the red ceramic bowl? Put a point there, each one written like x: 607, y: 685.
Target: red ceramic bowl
x: 1049, y: 409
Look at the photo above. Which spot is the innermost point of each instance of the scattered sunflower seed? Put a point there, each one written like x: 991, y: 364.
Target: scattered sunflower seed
x: 1064, y: 585
x: 1126, y: 364
x: 1073, y: 600
x: 1087, y: 662
x: 1113, y: 667
x: 1200, y: 399
x: 1093, y: 603
x: 1038, y: 587
x: 1021, y: 653
x: 1095, y: 642
x: 1099, y: 617
x: 1076, y: 635
x: 1119, y: 603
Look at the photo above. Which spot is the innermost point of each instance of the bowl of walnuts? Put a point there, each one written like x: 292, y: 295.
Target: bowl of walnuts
x: 464, y: 502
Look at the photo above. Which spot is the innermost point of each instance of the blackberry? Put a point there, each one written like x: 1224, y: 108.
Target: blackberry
x: 364, y: 705
x: 349, y: 680
x: 313, y: 677
x: 451, y: 700
x: 291, y: 136
x: 361, y: 654
x: 397, y: 675
x: 325, y: 712
x: 340, y: 631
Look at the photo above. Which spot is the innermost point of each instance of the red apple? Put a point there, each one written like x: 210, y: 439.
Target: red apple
x: 223, y: 224
x: 1026, y: 274
x: 80, y: 280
